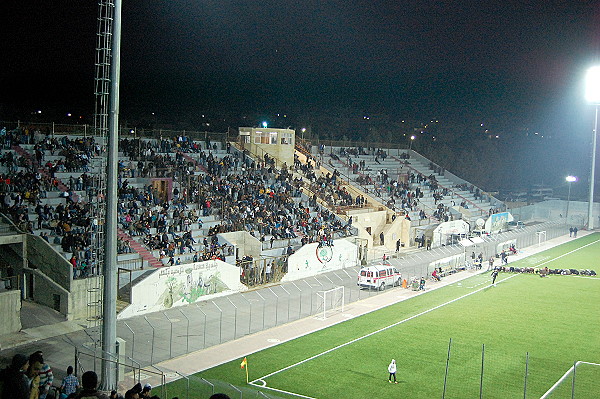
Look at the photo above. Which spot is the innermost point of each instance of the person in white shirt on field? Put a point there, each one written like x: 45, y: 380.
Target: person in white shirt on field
x: 392, y: 370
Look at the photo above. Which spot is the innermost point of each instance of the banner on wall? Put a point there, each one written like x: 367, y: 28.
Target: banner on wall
x: 498, y: 222
x: 317, y: 258
x: 182, y: 285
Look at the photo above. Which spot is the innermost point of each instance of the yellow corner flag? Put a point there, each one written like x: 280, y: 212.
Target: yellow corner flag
x: 243, y: 365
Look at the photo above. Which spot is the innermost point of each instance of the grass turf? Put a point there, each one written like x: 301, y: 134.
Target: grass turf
x: 554, y: 321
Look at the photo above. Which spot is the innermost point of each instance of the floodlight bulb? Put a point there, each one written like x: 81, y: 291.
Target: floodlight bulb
x: 592, y: 85
x: 571, y: 179
x: 264, y: 124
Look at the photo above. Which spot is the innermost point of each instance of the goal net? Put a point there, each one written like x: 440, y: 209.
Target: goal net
x: 330, y: 301
x: 581, y: 380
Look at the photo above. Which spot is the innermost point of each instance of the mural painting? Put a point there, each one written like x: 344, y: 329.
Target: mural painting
x: 199, y: 280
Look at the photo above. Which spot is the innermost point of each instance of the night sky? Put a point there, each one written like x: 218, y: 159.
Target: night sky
x: 510, y: 64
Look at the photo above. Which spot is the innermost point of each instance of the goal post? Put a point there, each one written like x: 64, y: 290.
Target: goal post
x: 575, y: 379
x: 330, y: 301
x: 541, y: 236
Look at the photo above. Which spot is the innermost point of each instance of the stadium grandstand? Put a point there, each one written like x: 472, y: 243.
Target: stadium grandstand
x: 212, y: 224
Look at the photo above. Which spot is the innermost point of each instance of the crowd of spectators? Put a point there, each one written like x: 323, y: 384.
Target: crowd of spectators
x: 30, y: 377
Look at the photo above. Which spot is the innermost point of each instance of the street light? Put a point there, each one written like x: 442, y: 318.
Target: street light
x: 569, y: 179
x: 592, y: 95
x: 412, y: 138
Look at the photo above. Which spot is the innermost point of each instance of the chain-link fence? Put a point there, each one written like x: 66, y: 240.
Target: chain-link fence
x: 159, y: 336
x: 474, y: 370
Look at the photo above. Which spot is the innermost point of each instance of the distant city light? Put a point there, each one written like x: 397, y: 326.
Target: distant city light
x: 571, y: 179
x: 265, y: 124
x: 69, y: 114
x: 412, y: 137
x: 39, y: 112
x: 592, y: 85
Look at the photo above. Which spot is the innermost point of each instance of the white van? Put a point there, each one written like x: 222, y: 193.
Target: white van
x: 378, y: 276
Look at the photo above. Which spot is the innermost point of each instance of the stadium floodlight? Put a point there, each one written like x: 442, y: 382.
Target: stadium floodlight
x: 592, y: 94
x: 412, y: 138
x: 569, y: 179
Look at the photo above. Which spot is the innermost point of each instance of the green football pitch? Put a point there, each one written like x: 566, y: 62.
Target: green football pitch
x: 512, y: 340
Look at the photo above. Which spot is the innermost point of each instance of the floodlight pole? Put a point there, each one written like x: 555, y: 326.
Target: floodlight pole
x: 568, y: 202
x: 592, y: 177
x: 109, y: 311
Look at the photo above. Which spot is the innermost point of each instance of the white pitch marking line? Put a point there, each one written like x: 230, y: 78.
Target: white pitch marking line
x: 377, y: 331
x: 393, y: 325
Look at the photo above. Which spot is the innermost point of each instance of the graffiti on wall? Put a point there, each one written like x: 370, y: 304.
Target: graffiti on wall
x: 187, y: 283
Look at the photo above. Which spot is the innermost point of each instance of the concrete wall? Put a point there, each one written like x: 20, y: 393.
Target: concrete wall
x: 399, y: 229
x: 80, y: 296
x: 10, y: 309
x: 375, y: 220
x: 43, y: 257
x: 47, y: 292
x: 181, y: 285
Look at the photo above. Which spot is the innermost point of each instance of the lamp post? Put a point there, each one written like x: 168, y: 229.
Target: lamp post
x: 592, y: 95
x: 412, y: 138
x: 569, y: 179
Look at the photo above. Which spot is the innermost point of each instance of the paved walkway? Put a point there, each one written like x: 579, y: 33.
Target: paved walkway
x: 236, y: 350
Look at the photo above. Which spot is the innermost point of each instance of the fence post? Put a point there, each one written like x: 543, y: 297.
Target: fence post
x: 526, y: 374
x: 170, y: 336
x: 211, y: 385
x: 234, y: 318
x: 300, y: 305
x: 276, y: 305
x: 204, y: 344
x: 264, y: 305
x: 289, y: 300
x: 187, y: 332
x: 132, y: 339
x: 573, y: 383
x: 481, y: 377
x: 241, y: 395
x: 220, y: 322
x: 187, y: 388
x: 250, y: 318
x: 152, y: 346
x: 447, y: 365
x: 76, y: 361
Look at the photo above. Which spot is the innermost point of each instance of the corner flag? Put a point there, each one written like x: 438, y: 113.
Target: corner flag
x: 243, y: 365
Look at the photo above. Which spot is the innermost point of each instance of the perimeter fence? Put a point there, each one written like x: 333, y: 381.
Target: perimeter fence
x: 159, y: 336
x: 478, y: 371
